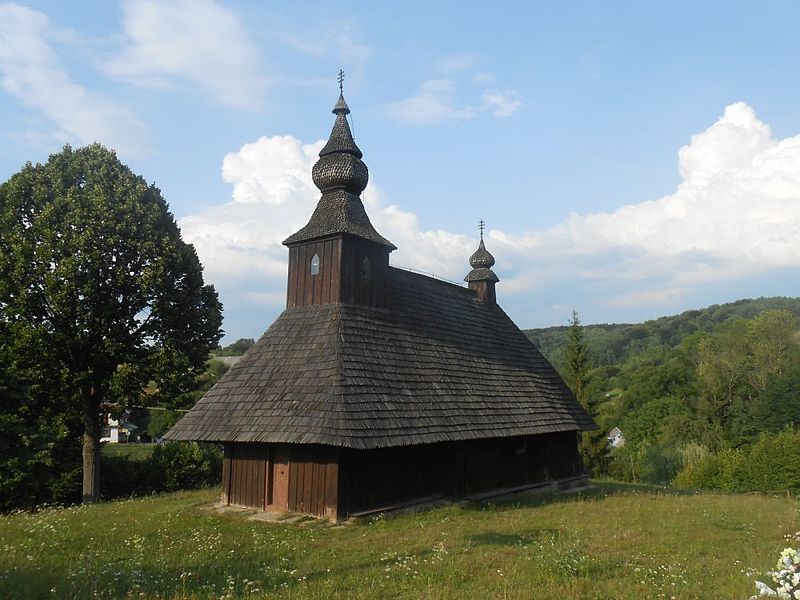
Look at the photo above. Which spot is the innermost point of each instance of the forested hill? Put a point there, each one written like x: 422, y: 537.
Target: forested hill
x: 609, y: 344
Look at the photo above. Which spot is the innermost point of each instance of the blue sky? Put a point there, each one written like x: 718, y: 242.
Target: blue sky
x: 630, y: 161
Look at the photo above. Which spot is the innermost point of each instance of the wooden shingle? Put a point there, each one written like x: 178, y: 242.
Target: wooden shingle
x: 437, y: 365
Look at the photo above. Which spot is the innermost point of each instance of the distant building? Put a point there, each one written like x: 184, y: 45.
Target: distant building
x: 377, y: 386
x: 117, y: 431
x: 615, y: 438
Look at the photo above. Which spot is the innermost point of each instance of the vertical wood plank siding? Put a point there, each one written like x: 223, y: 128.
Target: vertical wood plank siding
x: 339, y: 278
x: 314, y: 480
x: 331, y: 482
x: 297, y: 478
x: 305, y: 288
x: 247, y: 467
x: 375, y: 478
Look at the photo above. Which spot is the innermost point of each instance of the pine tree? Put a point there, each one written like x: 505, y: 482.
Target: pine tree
x: 593, y: 444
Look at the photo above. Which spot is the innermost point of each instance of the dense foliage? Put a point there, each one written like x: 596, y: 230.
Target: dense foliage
x: 99, y: 300
x: 772, y: 464
x: 170, y: 467
x: 237, y: 348
x: 694, y: 391
x: 612, y: 344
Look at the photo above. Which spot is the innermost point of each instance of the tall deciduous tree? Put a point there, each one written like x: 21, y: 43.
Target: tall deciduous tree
x: 98, y: 293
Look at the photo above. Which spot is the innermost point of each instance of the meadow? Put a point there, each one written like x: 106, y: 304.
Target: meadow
x: 132, y: 451
x: 615, y: 542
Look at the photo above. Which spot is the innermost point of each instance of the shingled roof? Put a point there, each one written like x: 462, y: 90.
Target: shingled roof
x: 339, y: 212
x: 437, y: 366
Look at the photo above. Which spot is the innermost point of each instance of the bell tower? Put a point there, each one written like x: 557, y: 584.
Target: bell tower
x: 338, y: 256
x: 481, y: 279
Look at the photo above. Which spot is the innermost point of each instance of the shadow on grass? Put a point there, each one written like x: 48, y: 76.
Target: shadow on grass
x: 498, y: 538
x: 598, y: 491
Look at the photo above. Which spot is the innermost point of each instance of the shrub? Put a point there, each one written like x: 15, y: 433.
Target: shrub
x: 188, y: 465
x: 771, y: 464
x: 171, y: 467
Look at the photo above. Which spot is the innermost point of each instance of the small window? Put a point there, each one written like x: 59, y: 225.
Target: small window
x: 366, y: 270
x: 315, y: 265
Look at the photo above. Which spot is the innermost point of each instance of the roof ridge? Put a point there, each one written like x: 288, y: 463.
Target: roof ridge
x: 431, y: 277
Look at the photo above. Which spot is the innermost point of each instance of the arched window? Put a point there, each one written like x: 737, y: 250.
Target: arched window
x: 315, y: 264
x: 366, y: 270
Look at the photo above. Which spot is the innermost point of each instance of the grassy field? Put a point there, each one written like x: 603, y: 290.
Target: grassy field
x: 132, y: 451
x: 620, y: 542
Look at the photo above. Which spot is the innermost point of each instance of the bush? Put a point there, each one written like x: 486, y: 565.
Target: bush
x: 188, y: 465
x: 771, y: 464
x: 161, y: 421
x: 171, y: 467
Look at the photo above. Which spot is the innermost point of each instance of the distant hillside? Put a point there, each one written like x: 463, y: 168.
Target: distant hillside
x: 615, y: 343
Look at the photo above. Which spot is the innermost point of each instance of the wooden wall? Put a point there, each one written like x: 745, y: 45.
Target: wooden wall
x: 303, y: 287
x: 299, y: 478
x: 331, y: 482
x: 375, y: 478
x: 340, y: 275
x: 246, y: 475
x: 314, y: 480
x: 372, y: 290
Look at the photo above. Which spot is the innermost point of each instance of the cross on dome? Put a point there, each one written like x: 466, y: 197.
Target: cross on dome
x: 481, y: 261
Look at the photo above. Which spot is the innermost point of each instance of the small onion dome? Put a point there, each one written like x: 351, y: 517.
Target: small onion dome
x: 481, y: 258
x: 340, y: 166
x: 481, y: 262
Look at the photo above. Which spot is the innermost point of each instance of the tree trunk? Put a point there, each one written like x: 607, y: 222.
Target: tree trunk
x: 92, y: 428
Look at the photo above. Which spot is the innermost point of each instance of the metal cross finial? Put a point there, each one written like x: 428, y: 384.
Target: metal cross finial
x: 482, y: 226
x: 340, y: 79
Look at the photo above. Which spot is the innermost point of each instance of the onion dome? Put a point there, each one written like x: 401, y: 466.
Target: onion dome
x: 340, y: 166
x: 341, y: 176
x: 481, y: 262
x: 481, y: 258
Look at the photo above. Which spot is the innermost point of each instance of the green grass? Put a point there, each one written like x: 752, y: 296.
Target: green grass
x: 132, y: 451
x: 621, y: 542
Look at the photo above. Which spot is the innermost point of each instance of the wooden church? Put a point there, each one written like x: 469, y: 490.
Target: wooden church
x: 378, y: 386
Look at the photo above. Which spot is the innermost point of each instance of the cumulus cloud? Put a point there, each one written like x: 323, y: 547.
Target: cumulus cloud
x: 735, y: 214
x: 194, y: 42
x: 503, y: 103
x: 273, y: 196
x: 30, y: 70
x: 272, y: 170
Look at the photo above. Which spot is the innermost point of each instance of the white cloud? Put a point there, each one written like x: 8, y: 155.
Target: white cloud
x: 273, y: 196
x: 483, y: 78
x: 458, y: 62
x: 30, y: 70
x: 437, y: 99
x: 195, y: 42
x: 503, y: 103
x: 435, y: 102
x: 272, y: 170
x: 736, y: 214
x: 342, y: 36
